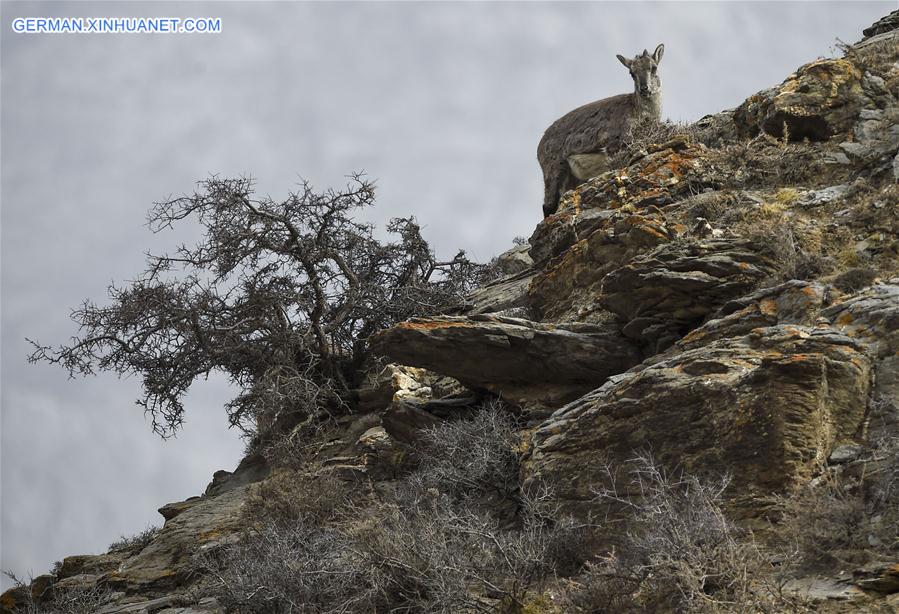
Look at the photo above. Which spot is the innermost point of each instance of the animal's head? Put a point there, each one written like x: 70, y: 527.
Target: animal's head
x: 644, y: 71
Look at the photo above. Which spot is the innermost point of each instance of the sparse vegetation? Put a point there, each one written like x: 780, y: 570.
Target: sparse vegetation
x: 135, y: 543
x: 678, y: 551
x: 433, y: 543
x: 70, y: 600
x: 848, y: 515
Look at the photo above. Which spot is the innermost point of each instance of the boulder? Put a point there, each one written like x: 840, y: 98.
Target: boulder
x: 662, y: 294
x: 568, y: 288
x: 876, y: 134
x: 880, y: 576
x: 164, y: 563
x: 793, y: 302
x: 884, y: 24
x: 15, y: 598
x: 557, y: 232
x: 93, y: 564
x: 821, y: 99
x: 525, y: 362
x: 766, y: 407
x: 405, y: 419
x: 660, y: 175
x: 400, y: 382
x: 515, y: 260
x: 503, y: 294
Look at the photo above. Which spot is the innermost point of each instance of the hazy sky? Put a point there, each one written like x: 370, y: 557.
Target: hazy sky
x: 443, y: 103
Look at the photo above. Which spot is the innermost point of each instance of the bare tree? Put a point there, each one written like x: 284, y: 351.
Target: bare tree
x: 280, y: 296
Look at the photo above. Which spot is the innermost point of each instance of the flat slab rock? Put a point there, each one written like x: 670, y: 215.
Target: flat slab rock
x: 510, y: 356
x: 765, y: 407
x: 793, y: 302
x: 506, y: 293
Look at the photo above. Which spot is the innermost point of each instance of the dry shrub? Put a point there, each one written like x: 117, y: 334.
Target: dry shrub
x: 74, y: 600
x: 878, y: 58
x: 438, y: 540
x: 135, y: 543
x: 854, y: 279
x: 643, y: 134
x: 711, y: 206
x: 678, y: 551
x: 471, y: 457
x: 287, y: 496
x: 440, y: 556
x: 784, y: 235
x: 768, y: 162
x: 286, y: 567
x: 847, y: 516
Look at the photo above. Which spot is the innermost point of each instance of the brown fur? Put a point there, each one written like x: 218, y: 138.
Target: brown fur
x: 596, y: 127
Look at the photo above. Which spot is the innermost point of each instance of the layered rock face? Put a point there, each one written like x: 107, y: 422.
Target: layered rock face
x: 727, y: 300
x: 767, y: 407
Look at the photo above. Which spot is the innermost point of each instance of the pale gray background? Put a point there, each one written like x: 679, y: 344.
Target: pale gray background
x: 442, y: 103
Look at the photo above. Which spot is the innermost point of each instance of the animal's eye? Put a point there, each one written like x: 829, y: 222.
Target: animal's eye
x: 653, y: 70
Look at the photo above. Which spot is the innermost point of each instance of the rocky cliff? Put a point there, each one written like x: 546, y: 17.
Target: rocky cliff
x: 726, y: 300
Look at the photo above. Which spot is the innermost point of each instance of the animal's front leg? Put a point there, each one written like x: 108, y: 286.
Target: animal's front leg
x: 555, y: 183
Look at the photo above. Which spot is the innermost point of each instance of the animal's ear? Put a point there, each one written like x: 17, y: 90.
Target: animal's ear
x: 658, y: 53
x: 624, y: 60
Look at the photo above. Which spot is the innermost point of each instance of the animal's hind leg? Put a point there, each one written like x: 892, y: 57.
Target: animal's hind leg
x: 554, y: 184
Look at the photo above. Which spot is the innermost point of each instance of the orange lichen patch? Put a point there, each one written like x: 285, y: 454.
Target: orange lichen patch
x: 574, y: 253
x: 653, y: 231
x: 845, y: 318
x: 796, y: 333
x: 694, y: 335
x: 743, y: 266
x: 651, y: 193
x: 809, y: 291
x: 576, y: 202
x: 208, y: 536
x: 525, y: 442
x: 767, y: 306
x: 433, y: 325
x: 859, y: 361
x: 678, y: 164
x: 796, y: 358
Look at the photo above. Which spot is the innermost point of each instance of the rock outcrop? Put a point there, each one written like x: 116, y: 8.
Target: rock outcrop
x: 766, y: 406
x: 527, y: 363
x: 662, y: 294
x: 819, y: 100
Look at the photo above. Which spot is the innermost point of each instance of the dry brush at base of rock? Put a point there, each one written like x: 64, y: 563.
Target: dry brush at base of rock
x: 527, y: 363
x: 765, y: 407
